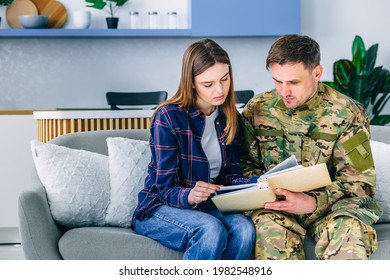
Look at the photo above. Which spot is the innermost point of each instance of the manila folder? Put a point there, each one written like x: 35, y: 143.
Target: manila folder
x: 302, y: 180
x: 244, y: 200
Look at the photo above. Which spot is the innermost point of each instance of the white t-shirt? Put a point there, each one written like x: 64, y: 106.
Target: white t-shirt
x: 211, y: 146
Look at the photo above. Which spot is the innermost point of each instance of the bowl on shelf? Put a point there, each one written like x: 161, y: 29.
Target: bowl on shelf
x: 29, y: 21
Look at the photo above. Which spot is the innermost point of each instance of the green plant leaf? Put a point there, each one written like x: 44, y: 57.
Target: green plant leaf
x: 97, y: 4
x: 379, y: 84
x: 357, y: 45
x: 380, y: 120
x: 118, y: 3
x: 111, y: 5
x: 358, y: 53
x: 386, y: 84
x: 6, y: 2
x: 362, y: 81
x: 342, y: 70
x: 380, y: 103
x: 370, y: 58
x: 374, y: 80
x: 356, y: 90
x: 333, y: 85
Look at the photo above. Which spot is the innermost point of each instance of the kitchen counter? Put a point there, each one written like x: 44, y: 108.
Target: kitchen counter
x: 51, y: 124
x: 92, y: 114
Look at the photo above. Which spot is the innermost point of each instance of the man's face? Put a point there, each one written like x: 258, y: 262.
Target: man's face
x: 294, y: 83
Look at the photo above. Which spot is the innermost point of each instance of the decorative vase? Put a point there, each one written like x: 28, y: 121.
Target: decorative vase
x: 81, y: 19
x: 112, y: 22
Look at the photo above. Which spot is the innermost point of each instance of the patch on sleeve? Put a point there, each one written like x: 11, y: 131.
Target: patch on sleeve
x: 358, y: 151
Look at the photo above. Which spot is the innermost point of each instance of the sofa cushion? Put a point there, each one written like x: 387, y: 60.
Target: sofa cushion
x: 381, y: 155
x: 112, y: 243
x: 128, y: 162
x: 76, y: 183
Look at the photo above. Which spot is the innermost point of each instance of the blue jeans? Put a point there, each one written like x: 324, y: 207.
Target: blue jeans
x: 200, y: 235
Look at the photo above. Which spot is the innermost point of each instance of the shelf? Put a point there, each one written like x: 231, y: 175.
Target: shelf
x: 93, y: 33
x: 217, y: 18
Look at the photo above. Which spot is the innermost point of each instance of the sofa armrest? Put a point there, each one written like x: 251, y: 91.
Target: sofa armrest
x: 39, y: 233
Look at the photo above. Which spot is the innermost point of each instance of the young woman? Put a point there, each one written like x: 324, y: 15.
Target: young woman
x: 195, y: 149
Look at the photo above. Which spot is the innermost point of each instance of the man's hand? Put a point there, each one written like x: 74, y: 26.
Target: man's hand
x: 295, y: 203
x: 201, y: 192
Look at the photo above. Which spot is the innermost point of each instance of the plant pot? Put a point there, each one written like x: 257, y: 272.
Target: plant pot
x: 112, y: 22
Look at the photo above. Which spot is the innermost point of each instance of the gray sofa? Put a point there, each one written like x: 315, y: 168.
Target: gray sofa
x: 42, y: 238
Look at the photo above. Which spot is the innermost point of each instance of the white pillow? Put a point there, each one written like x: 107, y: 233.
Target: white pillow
x: 76, y: 183
x: 381, y: 155
x: 128, y: 164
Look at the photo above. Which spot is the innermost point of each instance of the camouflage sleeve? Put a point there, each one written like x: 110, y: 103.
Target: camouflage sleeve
x: 250, y: 156
x: 355, y: 175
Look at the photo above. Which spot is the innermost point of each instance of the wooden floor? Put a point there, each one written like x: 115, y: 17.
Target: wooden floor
x: 11, y: 252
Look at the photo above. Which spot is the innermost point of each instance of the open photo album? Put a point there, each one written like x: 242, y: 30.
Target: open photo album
x: 288, y: 175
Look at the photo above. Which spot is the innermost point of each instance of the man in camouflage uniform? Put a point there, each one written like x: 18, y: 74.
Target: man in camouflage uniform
x: 308, y: 119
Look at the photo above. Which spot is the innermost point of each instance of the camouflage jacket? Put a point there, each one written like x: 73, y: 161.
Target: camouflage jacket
x: 330, y: 128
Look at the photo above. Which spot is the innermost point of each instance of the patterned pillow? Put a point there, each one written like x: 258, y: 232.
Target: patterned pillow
x: 77, y: 183
x: 381, y: 155
x: 128, y: 162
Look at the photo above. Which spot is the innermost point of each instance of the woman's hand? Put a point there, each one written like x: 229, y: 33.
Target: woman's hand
x: 295, y: 203
x: 201, y: 192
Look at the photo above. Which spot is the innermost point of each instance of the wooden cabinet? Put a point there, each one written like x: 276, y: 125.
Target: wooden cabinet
x: 245, y: 17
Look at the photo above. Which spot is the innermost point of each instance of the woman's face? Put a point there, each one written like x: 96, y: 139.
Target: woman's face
x: 212, y: 87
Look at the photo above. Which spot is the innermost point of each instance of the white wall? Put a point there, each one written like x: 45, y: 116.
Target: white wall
x: 334, y: 24
x: 51, y: 73
x: 15, y: 164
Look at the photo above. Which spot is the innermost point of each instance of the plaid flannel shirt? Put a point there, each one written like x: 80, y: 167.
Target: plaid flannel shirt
x: 178, y: 160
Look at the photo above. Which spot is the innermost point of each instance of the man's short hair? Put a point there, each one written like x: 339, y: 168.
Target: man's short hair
x: 294, y: 49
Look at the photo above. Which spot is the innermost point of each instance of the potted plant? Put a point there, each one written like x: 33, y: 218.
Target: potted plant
x: 109, y: 6
x: 362, y: 81
x: 5, y: 3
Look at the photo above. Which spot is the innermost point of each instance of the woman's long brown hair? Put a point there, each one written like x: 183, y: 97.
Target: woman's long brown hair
x: 198, y: 57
